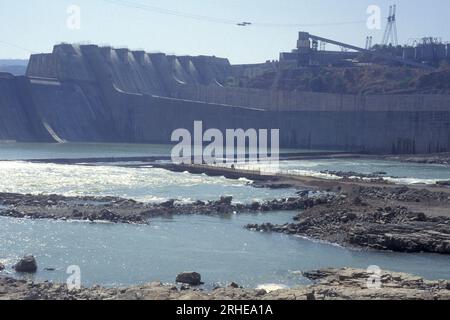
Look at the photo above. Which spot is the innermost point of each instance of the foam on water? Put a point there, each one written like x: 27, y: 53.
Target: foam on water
x: 141, y: 184
x: 269, y: 287
x: 217, y: 247
x: 396, y: 172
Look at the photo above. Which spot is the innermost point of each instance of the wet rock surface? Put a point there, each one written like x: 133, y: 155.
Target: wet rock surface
x: 366, y: 219
x: 329, y: 284
x: 361, y: 214
x: 402, y: 193
x: 443, y: 183
x: 27, y: 264
x: 191, y: 278
x: 438, y: 158
x: 119, y: 210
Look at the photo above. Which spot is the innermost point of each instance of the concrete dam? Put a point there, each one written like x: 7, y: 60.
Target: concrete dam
x: 87, y: 93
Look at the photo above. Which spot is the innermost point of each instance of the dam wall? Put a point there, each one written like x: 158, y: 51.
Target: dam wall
x: 86, y: 93
x: 17, y: 112
x: 279, y: 100
x: 130, y: 71
x: 414, y: 123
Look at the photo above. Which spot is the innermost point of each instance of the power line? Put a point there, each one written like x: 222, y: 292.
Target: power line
x: 159, y: 10
x: 176, y: 13
x: 16, y: 46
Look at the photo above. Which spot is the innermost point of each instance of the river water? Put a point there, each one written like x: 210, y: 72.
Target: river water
x: 217, y: 247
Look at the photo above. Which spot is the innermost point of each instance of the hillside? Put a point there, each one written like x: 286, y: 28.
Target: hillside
x: 16, y: 67
x: 372, y: 79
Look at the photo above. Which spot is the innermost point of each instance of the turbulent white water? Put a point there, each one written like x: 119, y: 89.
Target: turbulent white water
x: 396, y: 172
x: 217, y: 247
x: 141, y: 184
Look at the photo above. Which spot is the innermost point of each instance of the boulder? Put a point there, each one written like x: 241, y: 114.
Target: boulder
x: 2, y: 267
x: 168, y: 204
x: 191, y: 278
x: 76, y: 214
x: 108, y: 215
x: 255, y: 206
x: 27, y: 264
x: 225, y: 200
x: 199, y: 203
x: 260, y: 292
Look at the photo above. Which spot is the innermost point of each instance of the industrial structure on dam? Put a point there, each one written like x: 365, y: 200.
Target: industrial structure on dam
x: 421, y: 53
x: 427, y: 52
x: 87, y: 93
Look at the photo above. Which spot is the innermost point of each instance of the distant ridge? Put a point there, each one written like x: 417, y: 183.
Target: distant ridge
x: 17, y: 67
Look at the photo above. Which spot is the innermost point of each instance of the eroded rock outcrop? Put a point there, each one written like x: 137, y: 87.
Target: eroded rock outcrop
x: 120, y: 210
x: 330, y: 284
x: 365, y: 219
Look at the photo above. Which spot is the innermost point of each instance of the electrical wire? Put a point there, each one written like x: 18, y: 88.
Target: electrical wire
x: 159, y: 10
x: 16, y: 46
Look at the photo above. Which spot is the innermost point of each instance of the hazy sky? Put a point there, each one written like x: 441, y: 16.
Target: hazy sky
x: 36, y: 25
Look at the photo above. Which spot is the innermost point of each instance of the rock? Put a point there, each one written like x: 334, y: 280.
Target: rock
x: 419, y: 216
x: 351, y: 216
x: 315, y: 274
x: 443, y: 183
x: 225, y: 200
x: 260, y: 292
x: 105, y: 215
x: 76, y: 213
x: 234, y: 285
x: 2, y: 266
x: 192, y: 278
x: 311, y: 296
x: 331, y: 284
x: 27, y: 264
x: 255, y: 206
x: 168, y: 204
x: 357, y: 201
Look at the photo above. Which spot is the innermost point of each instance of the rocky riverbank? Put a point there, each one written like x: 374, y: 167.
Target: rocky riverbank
x: 437, y: 158
x: 384, y: 218
x: 120, y: 210
x: 358, y: 213
x: 379, y: 217
x: 329, y: 284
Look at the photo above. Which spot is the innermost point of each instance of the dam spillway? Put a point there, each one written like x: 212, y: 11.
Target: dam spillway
x: 87, y: 93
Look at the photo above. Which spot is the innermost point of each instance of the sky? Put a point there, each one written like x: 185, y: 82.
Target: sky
x: 208, y: 27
